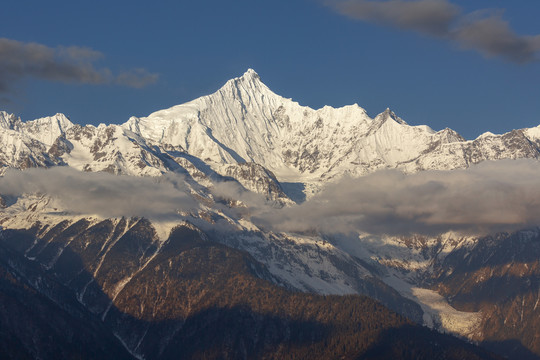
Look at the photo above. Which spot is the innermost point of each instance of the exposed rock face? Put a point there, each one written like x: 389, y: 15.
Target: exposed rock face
x: 492, y: 284
x: 500, y: 276
x: 26, y: 144
x: 256, y: 178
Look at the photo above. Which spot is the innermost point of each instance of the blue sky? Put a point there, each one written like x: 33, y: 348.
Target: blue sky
x: 104, y: 61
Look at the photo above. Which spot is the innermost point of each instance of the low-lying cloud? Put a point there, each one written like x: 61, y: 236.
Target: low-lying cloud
x: 484, y: 31
x: 71, y: 64
x: 103, y: 194
x: 484, y: 199
x: 487, y: 198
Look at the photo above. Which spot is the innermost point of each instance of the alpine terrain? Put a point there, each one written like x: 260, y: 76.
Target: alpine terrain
x: 244, y: 225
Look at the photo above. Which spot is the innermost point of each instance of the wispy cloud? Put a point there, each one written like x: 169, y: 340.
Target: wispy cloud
x: 489, y: 33
x: 490, y: 197
x: 103, y: 194
x: 136, y: 78
x: 484, y: 31
x: 71, y: 64
x: 428, y: 16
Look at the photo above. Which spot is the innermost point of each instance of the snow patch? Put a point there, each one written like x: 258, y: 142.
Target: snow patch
x: 438, y: 314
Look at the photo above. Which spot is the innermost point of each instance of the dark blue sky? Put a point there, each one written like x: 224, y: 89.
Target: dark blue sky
x: 314, y: 53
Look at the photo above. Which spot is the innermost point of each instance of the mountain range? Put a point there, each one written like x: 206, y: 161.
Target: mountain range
x: 204, y: 230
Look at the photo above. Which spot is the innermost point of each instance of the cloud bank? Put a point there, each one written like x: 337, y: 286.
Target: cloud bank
x: 484, y: 199
x: 484, y: 31
x: 103, y: 194
x: 71, y: 64
x: 487, y: 198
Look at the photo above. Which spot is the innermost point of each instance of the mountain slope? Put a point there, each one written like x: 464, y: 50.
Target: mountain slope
x: 40, y: 319
x: 212, y: 301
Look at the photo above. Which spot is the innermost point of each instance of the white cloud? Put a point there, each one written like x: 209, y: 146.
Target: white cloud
x: 486, y: 198
x: 102, y: 193
x: 490, y: 197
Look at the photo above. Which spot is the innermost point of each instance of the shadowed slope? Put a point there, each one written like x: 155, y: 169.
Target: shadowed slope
x: 193, y: 298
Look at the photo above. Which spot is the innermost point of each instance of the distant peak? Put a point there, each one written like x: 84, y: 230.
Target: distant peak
x: 250, y: 73
x: 62, y: 115
x: 62, y: 121
x: 250, y: 77
x: 9, y: 121
x: 389, y: 114
x: 249, y: 81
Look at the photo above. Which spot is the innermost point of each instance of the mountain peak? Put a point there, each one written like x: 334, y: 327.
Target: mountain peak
x: 250, y: 73
x: 389, y: 114
x: 248, y: 89
x: 58, y: 121
x: 9, y: 121
x: 47, y: 129
x: 249, y: 80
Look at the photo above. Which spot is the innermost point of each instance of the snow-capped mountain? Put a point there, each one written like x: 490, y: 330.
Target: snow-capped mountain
x: 245, y: 122
x: 245, y: 139
x: 28, y: 144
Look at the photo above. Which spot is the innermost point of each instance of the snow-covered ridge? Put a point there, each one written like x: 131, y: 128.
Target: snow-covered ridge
x: 46, y: 130
x: 245, y: 122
